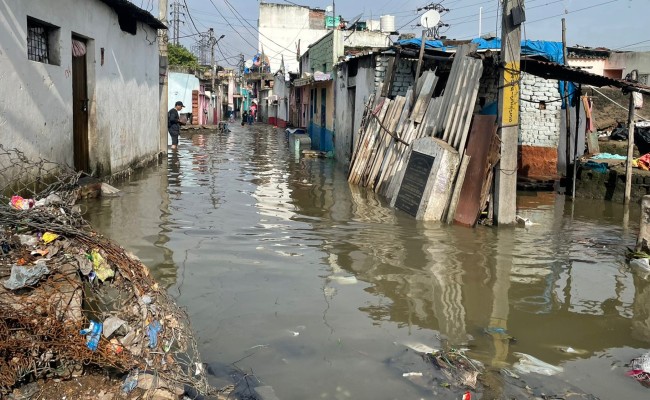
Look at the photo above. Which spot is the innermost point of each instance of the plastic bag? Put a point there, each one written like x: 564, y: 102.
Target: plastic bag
x: 25, y: 275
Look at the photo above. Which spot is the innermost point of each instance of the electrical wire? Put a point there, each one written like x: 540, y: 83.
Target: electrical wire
x: 233, y: 28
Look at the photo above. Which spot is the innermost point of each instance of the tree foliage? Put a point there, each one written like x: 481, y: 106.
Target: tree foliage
x: 179, y: 56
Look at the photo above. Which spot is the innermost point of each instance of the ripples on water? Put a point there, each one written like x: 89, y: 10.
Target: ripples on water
x: 311, y: 284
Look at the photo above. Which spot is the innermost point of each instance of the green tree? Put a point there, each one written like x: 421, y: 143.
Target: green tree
x: 179, y: 56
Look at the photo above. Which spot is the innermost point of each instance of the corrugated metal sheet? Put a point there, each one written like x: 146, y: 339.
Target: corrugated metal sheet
x: 551, y: 70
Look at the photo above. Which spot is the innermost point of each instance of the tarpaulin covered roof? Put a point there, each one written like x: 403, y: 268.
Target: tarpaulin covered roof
x: 552, y: 51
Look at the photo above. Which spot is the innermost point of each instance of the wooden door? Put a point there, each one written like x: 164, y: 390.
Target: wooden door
x: 80, y: 111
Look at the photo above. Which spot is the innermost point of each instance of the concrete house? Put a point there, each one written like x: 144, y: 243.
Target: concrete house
x: 80, y: 80
x: 318, y: 79
x: 286, y: 30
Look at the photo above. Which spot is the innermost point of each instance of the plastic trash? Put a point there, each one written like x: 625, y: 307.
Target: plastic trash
x: 152, y: 331
x: 420, y: 347
x: 640, y: 368
x: 101, y: 267
x: 523, y: 221
x: 641, y: 266
x: 19, y: 203
x: 49, y: 237
x: 111, y: 324
x: 528, y: 364
x: 28, y: 240
x: 130, y: 382
x: 93, y: 334
x: 25, y: 275
x: 52, y: 198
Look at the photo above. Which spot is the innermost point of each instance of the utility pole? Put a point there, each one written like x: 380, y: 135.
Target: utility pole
x: 505, y: 191
x: 567, y: 110
x: 162, y: 74
x: 213, y: 42
x: 176, y: 22
x: 630, y: 151
x: 213, y: 68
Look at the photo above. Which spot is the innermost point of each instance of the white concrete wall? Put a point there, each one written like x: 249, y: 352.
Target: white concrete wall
x: 540, y: 128
x: 365, y: 39
x: 348, y: 119
x: 593, y: 65
x: 281, y: 89
x: 36, y: 106
x: 285, y: 24
x: 180, y: 87
x: 630, y: 61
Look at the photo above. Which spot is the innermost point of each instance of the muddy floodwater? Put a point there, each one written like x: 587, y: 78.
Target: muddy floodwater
x: 296, y: 280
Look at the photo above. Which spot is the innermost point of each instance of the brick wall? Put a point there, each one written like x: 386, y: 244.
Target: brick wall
x: 539, y: 127
x: 404, y: 77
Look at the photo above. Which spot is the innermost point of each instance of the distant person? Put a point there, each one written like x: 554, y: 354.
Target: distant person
x: 174, y: 123
x: 244, y: 118
x: 251, y: 116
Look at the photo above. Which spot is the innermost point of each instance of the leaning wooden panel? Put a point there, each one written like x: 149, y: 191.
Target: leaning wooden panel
x: 478, y: 148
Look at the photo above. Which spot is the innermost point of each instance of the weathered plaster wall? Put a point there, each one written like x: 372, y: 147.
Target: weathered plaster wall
x: 123, y: 92
x: 180, y: 88
x: 630, y: 61
x: 365, y: 39
x: 287, y: 24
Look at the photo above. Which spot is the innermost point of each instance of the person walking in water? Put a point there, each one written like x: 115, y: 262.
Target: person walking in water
x: 244, y: 118
x: 174, y: 123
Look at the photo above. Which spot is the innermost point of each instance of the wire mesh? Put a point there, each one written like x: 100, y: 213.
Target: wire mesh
x: 40, y: 321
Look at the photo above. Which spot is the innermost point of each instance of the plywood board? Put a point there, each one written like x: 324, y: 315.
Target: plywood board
x: 478, y: 147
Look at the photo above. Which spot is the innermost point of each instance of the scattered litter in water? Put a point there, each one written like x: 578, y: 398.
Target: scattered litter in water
x: 528, y: 364
x: 419, y: 347
x: 640, y: 369
x: 343, y: 280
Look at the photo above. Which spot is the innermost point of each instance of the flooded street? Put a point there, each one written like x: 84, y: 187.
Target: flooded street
x: 313, y: 286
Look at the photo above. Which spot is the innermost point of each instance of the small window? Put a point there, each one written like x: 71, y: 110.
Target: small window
x: 42, y: 42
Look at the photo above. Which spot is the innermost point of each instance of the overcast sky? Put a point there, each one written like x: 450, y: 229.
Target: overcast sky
x: 615, y: 24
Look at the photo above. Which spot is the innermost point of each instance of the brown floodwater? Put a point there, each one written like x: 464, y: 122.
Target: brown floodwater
x: 296, y: 280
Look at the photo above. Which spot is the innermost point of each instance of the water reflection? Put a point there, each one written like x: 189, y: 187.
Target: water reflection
x: 309, y: 279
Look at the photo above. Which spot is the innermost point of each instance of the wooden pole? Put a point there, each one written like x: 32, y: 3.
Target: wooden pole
x: 162, y: 73
x: 630, y: 150
x: 575, y: 144
x: 505, y: 190
x: 419, y: 68
x: 567, y: 110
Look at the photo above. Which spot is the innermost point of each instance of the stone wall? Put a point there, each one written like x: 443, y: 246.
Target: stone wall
x: 404, y: 77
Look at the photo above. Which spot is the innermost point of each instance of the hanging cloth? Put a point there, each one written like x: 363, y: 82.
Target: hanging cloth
x: 78, y: 48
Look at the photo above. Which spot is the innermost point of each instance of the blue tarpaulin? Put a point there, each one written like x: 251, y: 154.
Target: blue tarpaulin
x: 552, y: 51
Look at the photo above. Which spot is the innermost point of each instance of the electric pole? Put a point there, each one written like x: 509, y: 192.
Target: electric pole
x: 176, y: 21
x: 505, y: 191
x: 162, y: 74
x: 213, y: 41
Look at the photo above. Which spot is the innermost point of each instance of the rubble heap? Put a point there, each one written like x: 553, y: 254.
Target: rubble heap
x: 70, y: 298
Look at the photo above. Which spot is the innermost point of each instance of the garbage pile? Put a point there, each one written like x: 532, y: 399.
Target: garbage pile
x: 70, y: 298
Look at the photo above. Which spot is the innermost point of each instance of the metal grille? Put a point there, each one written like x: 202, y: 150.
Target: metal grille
x: 37, y: 41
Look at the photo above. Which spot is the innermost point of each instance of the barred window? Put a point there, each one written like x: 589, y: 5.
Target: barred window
x: 41, y: 41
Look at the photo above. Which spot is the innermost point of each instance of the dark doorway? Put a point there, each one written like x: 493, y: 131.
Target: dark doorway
x: 80, y: 109
x: 352, y: 94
